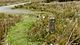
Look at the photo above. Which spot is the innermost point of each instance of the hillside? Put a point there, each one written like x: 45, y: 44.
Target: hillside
x: 10, y: 2
x: 41, y: 22
x: 67, y: 19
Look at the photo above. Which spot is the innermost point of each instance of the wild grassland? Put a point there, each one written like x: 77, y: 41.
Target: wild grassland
x: 10, y: 2
x: 7, y: 20
x: 67, y: 27
x: 17, y: 34
x: 2, y: 4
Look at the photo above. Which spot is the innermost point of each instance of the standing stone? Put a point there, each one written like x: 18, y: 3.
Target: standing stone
x: 52, y: 25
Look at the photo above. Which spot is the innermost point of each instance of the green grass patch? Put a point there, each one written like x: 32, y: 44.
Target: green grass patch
x: 7, y: 20
x: 17, y: 35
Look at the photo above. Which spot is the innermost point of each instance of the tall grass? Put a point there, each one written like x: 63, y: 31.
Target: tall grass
x: 67, y: 24
x: 67, y: 16
x: 7, y: 20
x: 17, y: 35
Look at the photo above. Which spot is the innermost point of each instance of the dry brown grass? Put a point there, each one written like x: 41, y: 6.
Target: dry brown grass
x: 7, y: 20
x: 67, y: 24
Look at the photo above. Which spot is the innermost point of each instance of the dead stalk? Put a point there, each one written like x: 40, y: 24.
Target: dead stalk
x: 75, y: 25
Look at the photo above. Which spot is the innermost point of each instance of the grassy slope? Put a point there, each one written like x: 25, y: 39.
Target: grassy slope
x: 17, y: 34
x: 64, y: 13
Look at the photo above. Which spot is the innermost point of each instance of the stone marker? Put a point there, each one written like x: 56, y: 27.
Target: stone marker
x: 51, y: 25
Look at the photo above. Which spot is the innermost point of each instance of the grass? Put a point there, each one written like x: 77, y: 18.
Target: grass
x: 5, y: 3
x: 67, y: 16
x: 66, y: 26
x: 7, y: 20
x: 17, y: 34
x: 2, y: 4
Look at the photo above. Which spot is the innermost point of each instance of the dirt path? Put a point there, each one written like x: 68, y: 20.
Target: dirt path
x: 7, y: 9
